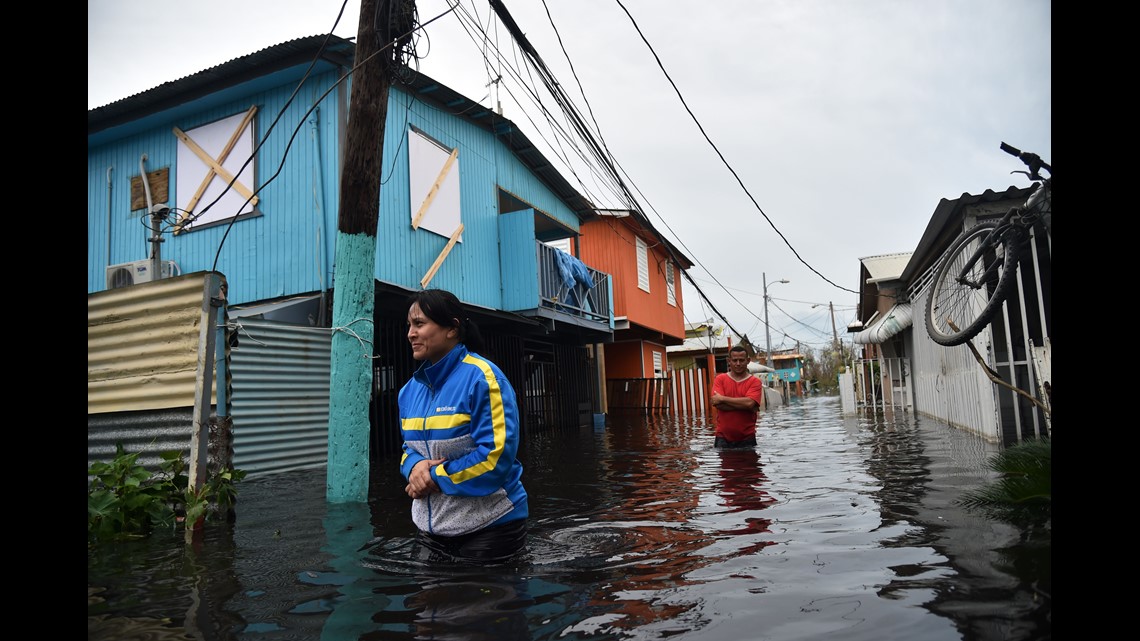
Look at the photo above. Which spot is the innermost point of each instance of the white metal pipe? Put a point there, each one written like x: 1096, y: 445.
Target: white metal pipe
x: 109, y: 203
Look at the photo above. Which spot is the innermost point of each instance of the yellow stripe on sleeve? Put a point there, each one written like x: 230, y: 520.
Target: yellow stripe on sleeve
x: 498, y: 423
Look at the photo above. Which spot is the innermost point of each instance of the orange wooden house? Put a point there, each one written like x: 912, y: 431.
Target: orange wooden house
x: 648, y: 307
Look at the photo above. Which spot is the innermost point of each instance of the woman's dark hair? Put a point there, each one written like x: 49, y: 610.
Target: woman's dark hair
x: 444, y: 308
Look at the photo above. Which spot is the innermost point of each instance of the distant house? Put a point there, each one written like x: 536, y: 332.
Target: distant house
x: 882, y: 319
x: 789, y: 372
x: 693, y: 364
x: 704, y: 341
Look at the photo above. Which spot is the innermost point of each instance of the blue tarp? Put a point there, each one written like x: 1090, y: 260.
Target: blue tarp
x: 573, y: 271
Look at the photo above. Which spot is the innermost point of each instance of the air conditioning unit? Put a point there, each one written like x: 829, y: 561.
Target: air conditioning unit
x: 135, y: 272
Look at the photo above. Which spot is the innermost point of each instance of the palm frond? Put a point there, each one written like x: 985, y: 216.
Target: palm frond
x: 1025, y: 483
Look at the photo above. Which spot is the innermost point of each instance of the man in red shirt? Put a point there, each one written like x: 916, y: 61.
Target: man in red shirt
x: 737, y: 396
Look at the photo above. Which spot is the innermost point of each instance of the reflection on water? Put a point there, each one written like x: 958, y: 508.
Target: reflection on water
x: 833, y: 527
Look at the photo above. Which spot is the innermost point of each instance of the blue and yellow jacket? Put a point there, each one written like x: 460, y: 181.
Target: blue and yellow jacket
x: 463, y: 409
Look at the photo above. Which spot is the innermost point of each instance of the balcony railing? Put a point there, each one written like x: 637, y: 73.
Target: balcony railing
x: 589, y: 296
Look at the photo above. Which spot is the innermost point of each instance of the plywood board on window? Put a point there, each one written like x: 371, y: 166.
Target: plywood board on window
x: 433, y: 174
x: 159, y: 180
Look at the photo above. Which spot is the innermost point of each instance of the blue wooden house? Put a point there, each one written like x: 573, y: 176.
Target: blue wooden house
x: 236, y: 169
x: 789, y: 368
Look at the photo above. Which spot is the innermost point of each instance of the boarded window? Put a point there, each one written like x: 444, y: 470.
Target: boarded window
x: 215, y: 182
x: 433, y: 172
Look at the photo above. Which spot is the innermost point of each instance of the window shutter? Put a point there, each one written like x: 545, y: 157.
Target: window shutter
x: 642, y: 265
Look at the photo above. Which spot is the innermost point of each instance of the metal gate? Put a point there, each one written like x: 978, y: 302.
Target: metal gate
x: 883, y: 384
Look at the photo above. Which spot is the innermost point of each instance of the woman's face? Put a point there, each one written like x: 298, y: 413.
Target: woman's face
x: 430, y: 340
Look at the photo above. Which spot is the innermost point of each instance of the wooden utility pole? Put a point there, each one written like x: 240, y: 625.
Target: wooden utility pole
x: 834, y: 334
x: 354, y: 293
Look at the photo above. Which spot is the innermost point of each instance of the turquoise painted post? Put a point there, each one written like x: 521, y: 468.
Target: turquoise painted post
x: 350, y: 391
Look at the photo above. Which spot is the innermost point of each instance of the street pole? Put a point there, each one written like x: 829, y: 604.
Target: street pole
x: 767, y: 329
x: 354, y: 295
x: 834, y: 333
x: 835, y: 336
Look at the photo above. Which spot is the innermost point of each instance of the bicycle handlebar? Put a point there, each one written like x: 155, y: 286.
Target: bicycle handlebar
x: 1033, y: 161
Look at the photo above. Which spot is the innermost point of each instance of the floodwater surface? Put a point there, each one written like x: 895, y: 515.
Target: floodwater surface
x: 834, y: 527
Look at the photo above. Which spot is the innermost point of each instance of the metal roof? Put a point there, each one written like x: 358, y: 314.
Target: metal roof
x: 704, y: 337
x: 645, y: 225
x: 260, y: 64
x: 935, y: 238
x: 886, y: 266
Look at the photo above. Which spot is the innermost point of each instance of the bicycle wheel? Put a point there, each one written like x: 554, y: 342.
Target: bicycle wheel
x: 969, y: 308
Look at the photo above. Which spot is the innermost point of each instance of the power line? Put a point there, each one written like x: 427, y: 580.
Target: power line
x: 598, y: 149
x: 721, y: 156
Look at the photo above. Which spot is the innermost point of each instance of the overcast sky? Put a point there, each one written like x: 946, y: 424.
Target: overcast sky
x: 781, y: 137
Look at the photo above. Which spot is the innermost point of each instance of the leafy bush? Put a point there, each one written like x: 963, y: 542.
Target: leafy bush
x: 125, y: 500
x: 1025, y: 486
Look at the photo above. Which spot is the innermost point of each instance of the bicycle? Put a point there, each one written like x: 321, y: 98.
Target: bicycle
x: 977, y: 272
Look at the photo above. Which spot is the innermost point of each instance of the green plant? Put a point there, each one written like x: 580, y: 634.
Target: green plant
x: 124, y: 499
x: 1024, y: 489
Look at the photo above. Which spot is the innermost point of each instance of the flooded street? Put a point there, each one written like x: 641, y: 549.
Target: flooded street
x: 833, y: 528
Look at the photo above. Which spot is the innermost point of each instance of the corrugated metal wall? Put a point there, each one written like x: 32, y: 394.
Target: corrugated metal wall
x: 145, y: 363
x: 148, y: 432
x: 280, y: 396
x: 951, y: 386
x: 142, y: 345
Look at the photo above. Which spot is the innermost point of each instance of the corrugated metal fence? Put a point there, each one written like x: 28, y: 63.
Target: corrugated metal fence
x: 150, y: 370
x: 280, y: 396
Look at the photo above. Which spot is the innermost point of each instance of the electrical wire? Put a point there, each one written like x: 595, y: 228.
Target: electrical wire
x: 610, y: 174
x: 396, y: 44
x: 721, y: 156
x: 610, y: 164
x: 597, y: 149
